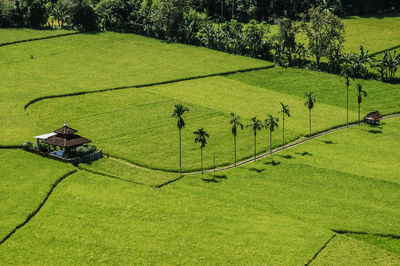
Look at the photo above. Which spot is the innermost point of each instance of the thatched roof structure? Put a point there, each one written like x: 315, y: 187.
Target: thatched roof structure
x: 66, y: 138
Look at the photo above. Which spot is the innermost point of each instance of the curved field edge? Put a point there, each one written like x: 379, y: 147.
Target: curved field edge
x: 119, y: 60
x: 149, y: 217
x: 138, y: 113
x: 262, y: 209
x: 22, y: 190
x: 12, y: 36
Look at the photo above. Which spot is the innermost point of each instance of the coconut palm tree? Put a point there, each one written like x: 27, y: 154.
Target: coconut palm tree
x: 235, y: 124
x: 255, y: 126
x: 178, y: 113
x: 347, y: 77
x: 310, y: 101
x: 284, y: 111
x: 201, y: 139
x: 271, y: 123
x: 361, y: 92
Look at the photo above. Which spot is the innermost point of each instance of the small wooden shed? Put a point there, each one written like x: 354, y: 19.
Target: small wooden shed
x: 373, y: 118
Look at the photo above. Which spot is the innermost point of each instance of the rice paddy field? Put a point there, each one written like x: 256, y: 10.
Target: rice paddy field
x: 375, y: 33
x: 330, y: 200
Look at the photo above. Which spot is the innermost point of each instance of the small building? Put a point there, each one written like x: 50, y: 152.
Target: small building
x: 68, y: 142
x: 65, y: 138
x: 373, y: 118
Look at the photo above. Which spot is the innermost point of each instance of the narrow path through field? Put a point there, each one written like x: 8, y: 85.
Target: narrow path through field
x: 286, y: 147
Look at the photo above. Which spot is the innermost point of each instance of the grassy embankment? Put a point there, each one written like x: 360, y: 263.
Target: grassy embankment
x: 279, y: 210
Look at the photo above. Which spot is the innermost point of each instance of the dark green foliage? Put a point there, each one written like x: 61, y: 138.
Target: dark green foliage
x: 43, y: 147
x: 168, y: 18
x: 234, y: 37
x: 115, y: 15
x: 28, y: 144
x: 79, y: 151
x: 325, y: 33
x: 82, y: 15
x: 6, y: 9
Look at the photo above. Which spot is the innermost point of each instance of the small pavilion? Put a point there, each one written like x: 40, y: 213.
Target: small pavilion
x: 64, y: 137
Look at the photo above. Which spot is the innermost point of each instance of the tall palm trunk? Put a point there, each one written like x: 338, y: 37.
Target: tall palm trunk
x: 347, y: 120
x: 180, y: 153
x: 270, y: 142
x: 310, y: 121
x: 358, y: 112
x: 234, y: 145
x: 255, y: 146
x: 283, y: 128
x: 201, y: 152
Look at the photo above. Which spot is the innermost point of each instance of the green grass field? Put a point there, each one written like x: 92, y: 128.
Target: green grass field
x: 88, y: 62
x: 25, y: 179
x: 137, y: 124
x: 279, y: 210
x: 374, y: 33
x: 275, y: 213
x: 15, y: 35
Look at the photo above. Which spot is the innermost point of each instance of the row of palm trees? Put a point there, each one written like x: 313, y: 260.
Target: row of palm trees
x: 270, y: 123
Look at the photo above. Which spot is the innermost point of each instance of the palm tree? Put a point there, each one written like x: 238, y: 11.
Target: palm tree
x: 361, y: 92
x: 347, y: 77
x: 178, y: 113
x: 201, y: 139
x: 271, y: 123
x: 235, y: 124
x: 284, y: 111
x: 310, y: 104
x: 255, y: 126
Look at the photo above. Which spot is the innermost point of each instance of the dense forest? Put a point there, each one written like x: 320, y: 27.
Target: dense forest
x: 167, y: 18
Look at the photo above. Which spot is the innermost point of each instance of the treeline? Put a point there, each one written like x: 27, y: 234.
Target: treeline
x: 161, y: 15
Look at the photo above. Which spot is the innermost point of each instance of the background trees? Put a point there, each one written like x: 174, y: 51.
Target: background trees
x: 325, y: 32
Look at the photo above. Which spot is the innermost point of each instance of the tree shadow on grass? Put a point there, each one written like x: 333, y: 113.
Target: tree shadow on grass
x: 328, y: 142
x: 375, y: 131
x: 304, y: 153
x: 215, y: 179
x: 210, y: 180
x: 221, y: 176
x: 257, y: 170
x: 287, y: 156
x: 273, y: 163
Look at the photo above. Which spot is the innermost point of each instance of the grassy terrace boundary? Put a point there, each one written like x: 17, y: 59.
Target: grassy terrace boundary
x: 109, y: 176
x: 11, y: 147
x: 247, y: 161
x: 290, y: 145
x: 344, y: 232
x: 320, y: 250
x: 40, y: 38
x: 32, y: 214
x: 386, y: 50
x: 145, y: 85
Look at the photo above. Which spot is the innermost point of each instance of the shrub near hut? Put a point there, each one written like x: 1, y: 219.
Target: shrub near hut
x: 79, y: 151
